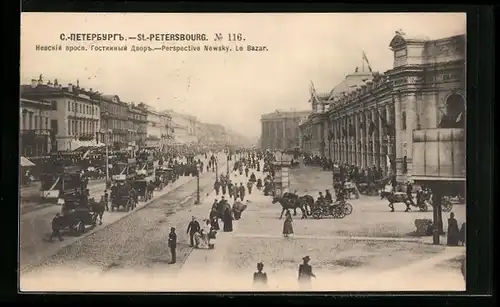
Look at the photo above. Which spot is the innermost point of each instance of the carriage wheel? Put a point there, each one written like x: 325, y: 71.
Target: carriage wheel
x: 447, y: 206
x: 339, y: 213
x: 317, y: 214
x: 347, y: 209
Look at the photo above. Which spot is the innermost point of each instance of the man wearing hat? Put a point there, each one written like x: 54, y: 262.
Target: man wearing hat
x: 259, y: 277
x: 56, y: 227
x: 305, y: 272
x: 172, y: 243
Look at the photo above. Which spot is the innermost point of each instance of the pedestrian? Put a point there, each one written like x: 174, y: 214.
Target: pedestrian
x: 223, y: 186
x: 242, y: 191
x: 56, y: 227
x: 259, y: 277
x: 106, y: 200
x: 305, y: 272
x: 217, y: 187
x: 249, y: 187
x: 193, y: 228
x: 228, y: 219
x: 453, y: 231
x: 172, y: 244
x: 288, y: 224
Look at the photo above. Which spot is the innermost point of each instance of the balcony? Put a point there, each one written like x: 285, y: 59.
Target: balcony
x: 439, y: 155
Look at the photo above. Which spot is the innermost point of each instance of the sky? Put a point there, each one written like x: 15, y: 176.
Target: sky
x: 235, y: 88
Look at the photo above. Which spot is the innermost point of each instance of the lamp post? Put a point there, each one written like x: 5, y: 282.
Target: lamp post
x: 227, y: 164
x: 197, y: 183
x: 106, y: 139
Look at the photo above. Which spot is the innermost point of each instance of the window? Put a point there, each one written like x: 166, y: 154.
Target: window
x: 69, y: 127
x: 80, y: 109
x: 403, y: 121
x: 69, y: 106
x: 53, y: 126
x: 46, y: 123
x: 36, y: 123
x: 54, y: 105
x: 81, y: 125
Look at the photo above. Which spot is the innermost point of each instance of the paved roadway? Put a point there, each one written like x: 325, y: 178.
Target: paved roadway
x: 136, y: 240
x: 348, y: 254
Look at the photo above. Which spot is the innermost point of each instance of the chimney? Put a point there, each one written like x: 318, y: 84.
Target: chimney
x: 34, y: 83
x: 70, y: 87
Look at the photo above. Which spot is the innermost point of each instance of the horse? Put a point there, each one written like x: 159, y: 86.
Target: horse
x: 398, y: 197
x: 288, y: 204
x: 307, y: 202
x: 98, y: 208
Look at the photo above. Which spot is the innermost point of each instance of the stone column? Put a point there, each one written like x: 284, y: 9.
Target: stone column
x: 381, y: 147
x: 367, y: 139
x: 374, y: 138
x: 398, y: 136
x: 410, y: 125
x: 389, y: 149
x: 356, y: 139
x: 362, y: 149
x: 338, y: 140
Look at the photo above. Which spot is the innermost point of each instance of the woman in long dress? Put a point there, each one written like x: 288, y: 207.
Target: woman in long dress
x: 287, y: 224
x: 228, y: 220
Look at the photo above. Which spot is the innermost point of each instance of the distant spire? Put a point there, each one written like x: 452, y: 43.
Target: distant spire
x: 77, y: 83
x: 40, y: 78
x: 55, y: 82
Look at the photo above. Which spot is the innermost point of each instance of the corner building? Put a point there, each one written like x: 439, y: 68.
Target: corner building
x: 374, y: 123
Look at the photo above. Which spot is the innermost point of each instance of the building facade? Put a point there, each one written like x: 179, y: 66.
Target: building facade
x: 74, y: 114
x: 137, y: 126
x: 374, y: 124
x: 185, y: 127
x: 114, y: 121
x: 280, y: 129
x: 34, y: 127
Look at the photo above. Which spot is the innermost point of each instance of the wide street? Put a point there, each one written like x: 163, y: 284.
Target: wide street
x: 369, y: 250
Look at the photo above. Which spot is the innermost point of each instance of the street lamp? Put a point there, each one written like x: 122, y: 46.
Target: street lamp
x: 106, y: 140
x: 197, y: 183
x: 227, y: 164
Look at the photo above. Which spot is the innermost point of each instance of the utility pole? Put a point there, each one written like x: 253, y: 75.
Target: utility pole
x: 198, y: 184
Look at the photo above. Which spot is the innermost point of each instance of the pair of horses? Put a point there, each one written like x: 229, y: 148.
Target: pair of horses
x: 291, y: 201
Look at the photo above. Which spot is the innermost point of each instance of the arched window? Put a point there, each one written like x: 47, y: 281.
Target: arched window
x: 403, y: 121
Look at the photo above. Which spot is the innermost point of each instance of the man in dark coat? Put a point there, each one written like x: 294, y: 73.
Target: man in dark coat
x: 56, y: 227
x: 409, y: 191
x: 217, y: 187
x: 172, y: 244
x: 242, y: 191
x: 193, y: 228
x: 223, y: 186
x: 453, y: 231
x: 305, y: 272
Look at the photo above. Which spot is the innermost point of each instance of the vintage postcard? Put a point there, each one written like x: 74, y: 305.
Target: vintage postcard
x: 242, y: 152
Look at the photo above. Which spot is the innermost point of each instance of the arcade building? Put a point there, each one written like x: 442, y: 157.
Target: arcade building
x: 383, y: 120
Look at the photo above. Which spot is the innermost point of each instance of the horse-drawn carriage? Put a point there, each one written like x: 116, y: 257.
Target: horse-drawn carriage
x: 164, y: 175
x: 120, y: 197
x: 143, y: 189
x: 77, y: 214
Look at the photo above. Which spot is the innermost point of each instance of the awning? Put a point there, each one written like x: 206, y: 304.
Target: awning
x: 26, y: 163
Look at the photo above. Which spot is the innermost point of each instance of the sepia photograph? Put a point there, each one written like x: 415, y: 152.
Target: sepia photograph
x: 181, y: 152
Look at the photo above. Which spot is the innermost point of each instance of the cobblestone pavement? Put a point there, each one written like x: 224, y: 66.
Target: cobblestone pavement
x: 347, y: 254
x: 124, y: 239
